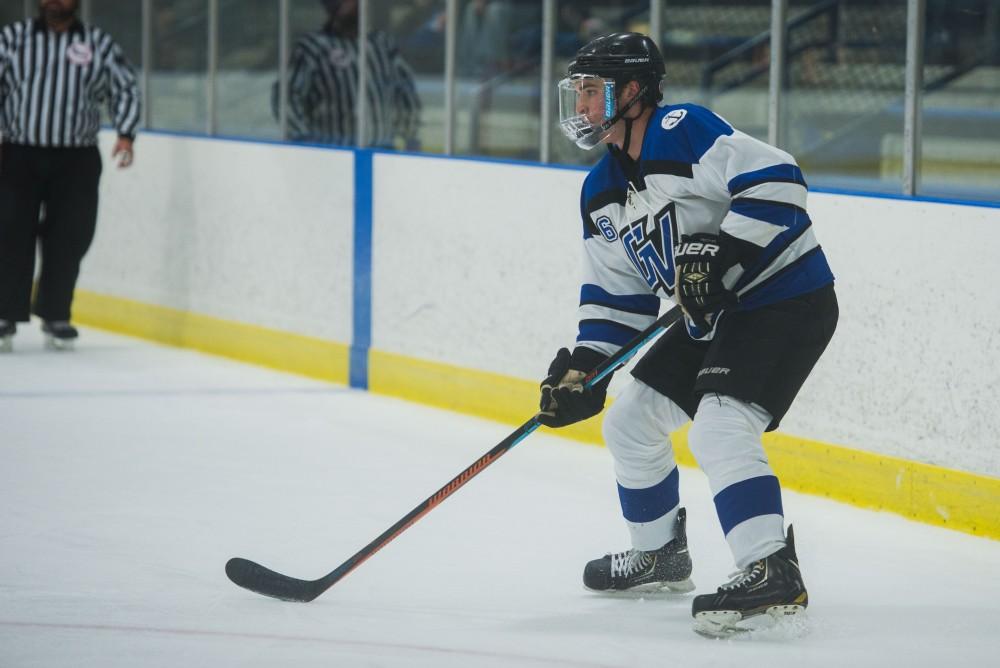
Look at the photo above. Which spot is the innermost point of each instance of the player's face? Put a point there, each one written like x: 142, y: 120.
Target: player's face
x: 590, y: 100
x: 586, y: 102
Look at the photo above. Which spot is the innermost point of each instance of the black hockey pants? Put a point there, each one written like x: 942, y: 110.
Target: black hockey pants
x: 65, y: 180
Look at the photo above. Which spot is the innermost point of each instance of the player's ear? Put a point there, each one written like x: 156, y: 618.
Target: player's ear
x: 630, y: 90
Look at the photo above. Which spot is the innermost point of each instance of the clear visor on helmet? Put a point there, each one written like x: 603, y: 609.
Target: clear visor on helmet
x: 586, y: 104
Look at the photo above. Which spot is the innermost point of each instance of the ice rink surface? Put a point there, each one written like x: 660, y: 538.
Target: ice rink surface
x: 130, y: 473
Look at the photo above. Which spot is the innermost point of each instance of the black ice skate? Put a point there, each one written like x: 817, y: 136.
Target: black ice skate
x: 770, y: 589
x: 59, y: 335
x: 7, y: 330
x: 668, y: 568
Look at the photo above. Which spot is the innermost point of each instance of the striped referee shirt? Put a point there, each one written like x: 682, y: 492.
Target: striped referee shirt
x: 323, y: 85
x: 53, y: 83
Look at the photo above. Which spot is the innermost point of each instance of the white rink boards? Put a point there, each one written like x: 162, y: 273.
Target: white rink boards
x: 130, y: 473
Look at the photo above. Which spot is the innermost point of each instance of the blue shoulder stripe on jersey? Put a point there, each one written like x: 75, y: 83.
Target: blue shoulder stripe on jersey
x: 651, y: 503
x: 784, y: 173
x: 776, y: 213
x: 605, y: 175
x: 605, y: 331
x: 747, y: 499
x: 688, y: 140
x: 605, y: 184
x: 641, y: 304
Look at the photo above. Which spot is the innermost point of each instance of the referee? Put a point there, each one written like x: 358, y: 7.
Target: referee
x: 323, y: 85
x: 55, y: 72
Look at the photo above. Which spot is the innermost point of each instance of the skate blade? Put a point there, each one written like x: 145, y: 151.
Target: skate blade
x: 787, y: 620
x: 52, y: 343
x: 655, y: 589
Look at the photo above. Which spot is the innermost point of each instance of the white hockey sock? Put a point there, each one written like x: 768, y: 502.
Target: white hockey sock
x: 725, y: 438
x: 637, y: 431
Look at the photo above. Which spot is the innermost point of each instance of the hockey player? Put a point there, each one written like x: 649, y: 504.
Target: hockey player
x: 685, y: 207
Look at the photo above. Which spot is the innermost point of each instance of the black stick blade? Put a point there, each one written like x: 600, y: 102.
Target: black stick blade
x: 257, y: 578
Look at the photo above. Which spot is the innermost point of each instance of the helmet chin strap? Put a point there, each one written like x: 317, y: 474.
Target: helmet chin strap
x: 628, y: 121
x: 628, y: 135
x: 629, y: 166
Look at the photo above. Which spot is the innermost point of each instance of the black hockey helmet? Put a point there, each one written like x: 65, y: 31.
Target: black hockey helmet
x: 588, y: 96
x: 624, y: 57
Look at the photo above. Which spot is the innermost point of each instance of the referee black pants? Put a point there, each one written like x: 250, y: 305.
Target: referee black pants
x: 65, y: 180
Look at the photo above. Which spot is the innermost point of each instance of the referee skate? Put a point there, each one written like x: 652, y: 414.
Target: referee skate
x: 59, y: 335
x: 7, y: 332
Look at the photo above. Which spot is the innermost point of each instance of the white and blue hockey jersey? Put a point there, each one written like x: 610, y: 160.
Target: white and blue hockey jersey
x: 696, y: 173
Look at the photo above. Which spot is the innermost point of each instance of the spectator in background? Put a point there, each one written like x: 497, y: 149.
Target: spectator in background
x: 323, y: 82
x: 420, y: 29
x: 483, y: 33
x: 54, y: 74
x: 576, y: 25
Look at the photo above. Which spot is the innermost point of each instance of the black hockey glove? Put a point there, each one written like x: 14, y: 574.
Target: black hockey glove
x: 564, y: 398
x: 701, y: 262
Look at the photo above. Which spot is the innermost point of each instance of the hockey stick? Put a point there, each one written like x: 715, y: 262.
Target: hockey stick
x: 253, y: 576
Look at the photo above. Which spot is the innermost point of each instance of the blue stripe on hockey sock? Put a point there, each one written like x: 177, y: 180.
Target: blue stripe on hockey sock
x: 651, y: 503
x: 746, y: 499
